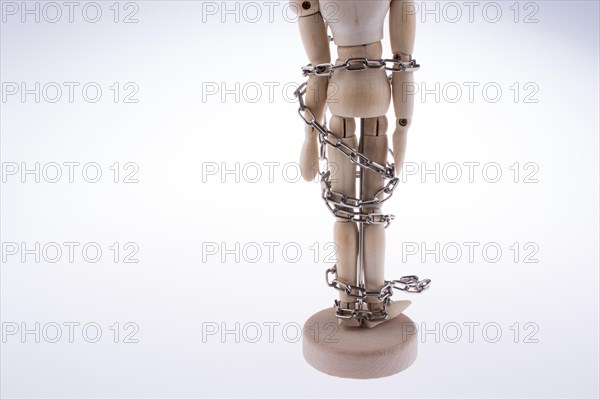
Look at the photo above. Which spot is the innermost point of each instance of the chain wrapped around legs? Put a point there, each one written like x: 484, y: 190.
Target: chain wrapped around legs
x: 352, y: 209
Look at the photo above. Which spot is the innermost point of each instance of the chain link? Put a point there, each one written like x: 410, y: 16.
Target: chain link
x: 411, y: 283
x: 361, y: 64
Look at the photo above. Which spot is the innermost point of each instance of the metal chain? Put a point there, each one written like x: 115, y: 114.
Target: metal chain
x: 337, y: 202
x: 379, y: 314
x: 361, y: 64
x: 340, y: 204
x: 410, y: 284
x: 387, y: 172
x: 333, y: 198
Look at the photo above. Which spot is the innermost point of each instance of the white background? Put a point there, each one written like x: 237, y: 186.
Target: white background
x: 177, y: 130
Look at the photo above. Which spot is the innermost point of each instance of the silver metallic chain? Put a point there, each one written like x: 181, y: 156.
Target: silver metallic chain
x: 326, y: 137
x: 351, y: 208
x: 409, y: 283
x: 361, y: 64
x: 338, y: 203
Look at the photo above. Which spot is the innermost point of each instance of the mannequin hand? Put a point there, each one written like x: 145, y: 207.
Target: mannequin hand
x: 399, y: 141
x: 399, y: 160
x: 309, y: 157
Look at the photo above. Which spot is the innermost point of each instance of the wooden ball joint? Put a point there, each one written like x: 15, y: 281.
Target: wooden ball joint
x: 365, y: 334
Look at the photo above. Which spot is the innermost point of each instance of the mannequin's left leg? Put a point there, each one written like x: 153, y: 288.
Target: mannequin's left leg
x: 375, y: 146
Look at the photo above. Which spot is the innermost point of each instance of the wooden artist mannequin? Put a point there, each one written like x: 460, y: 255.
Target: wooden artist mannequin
x: 358, y: 87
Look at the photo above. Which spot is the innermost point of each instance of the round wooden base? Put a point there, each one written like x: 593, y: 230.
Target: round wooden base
x: 355, y: 352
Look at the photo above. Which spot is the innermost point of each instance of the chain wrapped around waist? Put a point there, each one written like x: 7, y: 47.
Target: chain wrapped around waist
x: 361, y: 64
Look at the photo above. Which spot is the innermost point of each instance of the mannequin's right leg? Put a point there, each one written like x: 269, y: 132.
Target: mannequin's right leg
x: 345, y: 233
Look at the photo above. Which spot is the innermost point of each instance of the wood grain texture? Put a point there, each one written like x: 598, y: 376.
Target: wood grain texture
x: 359, y: 353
